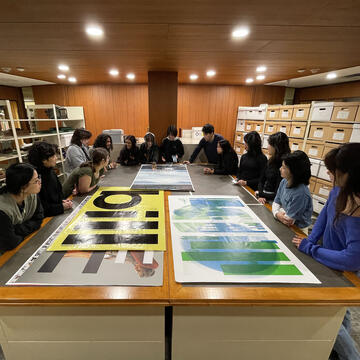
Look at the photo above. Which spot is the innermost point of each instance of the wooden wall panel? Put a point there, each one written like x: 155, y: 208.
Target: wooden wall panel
x: 15, y: 94
x: 105, y: 106
x: 328, y: 92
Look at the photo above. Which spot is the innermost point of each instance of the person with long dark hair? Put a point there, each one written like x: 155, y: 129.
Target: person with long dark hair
x: 149, y: 151
x: 21, y: 212
x: 105, y: 141
x: 78, y: 152
x: 86, y: 177
x: 252, y: 163
x: 130, y: 153
x: 293, y: 202
x: 338, y: 226
x: 270, y: 178
x: 228, y: 160
x: 42, y: 156
x: 171, y: 149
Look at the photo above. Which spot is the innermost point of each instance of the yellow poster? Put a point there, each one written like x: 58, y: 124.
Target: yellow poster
x: 116, y: 218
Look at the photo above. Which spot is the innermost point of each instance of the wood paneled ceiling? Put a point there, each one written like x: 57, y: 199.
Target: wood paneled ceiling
x: 184, y: 36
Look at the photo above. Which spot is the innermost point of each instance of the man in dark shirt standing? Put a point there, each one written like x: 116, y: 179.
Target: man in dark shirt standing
x: 209, y: 144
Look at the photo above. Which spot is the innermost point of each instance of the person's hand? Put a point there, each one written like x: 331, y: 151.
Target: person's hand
x: 75, y: 191
x: 186, y: 162
x: 113, y: 165
x: 242, y: 182
x: 262, y: 200
x: 163, y: 159
x: 67, y: 204
x: 297, y: 240
x: 208, y: 171
x: 281, y: 216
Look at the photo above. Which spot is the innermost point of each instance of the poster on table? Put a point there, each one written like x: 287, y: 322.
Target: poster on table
x: 218, y: 239
x: 164, y: 177
x: 116, y: 218
x: 89, y: 268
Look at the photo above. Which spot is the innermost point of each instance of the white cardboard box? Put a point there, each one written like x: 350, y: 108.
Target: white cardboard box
x: 322, y: 174
x: 315, y: 166
x: 321, y: 111
x: 355, y: 136
x: 318, y: 203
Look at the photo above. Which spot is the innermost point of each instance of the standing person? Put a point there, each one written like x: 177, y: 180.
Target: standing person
x: 228, y: 160
x: 252, y: 163
x: 209, y: 144
x: 130, y: 153
x: 78, y: 151
x: 271, y: 177
x: 42, y: 156
x: 149, y: 151
x: 105, y: 141
x: 171, y: 149
x: 86, y: 177
x: 21, y: 212
x: 293, y: 202
x: 338, y: 226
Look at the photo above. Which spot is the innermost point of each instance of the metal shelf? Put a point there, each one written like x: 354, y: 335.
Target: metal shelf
x: 7, y: 139
x: 8, y: 157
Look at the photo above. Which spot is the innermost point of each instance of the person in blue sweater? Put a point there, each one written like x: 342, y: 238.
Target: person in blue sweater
x: 209, y: 144
x: 338, y: 225
x: 293, y: 203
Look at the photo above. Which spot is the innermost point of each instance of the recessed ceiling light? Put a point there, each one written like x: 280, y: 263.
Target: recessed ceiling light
x: 63, y: 67
x: 194, y: 77
x: 61, y: 76
x: 21, y: 69
x: 211, y: 73
x: 240, y: 32
x: 114, y: 72
x: 249, y: 80
x: 331, y: 76
x: 261, y: 68
x: 260, y: 77
x: 72, y: 79
x: 94, y: 31
x: 314, y: 71
x: 6, y: 69
x: 301, y: 70
x: 130, y: 76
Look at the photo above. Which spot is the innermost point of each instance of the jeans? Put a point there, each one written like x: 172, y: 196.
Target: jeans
x: 344, y: 344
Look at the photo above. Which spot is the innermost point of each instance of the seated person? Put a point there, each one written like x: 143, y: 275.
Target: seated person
x: 293, y: 202
x: 209, y: 144
x: 78, y: 152
x: 42, y: 156
x: 228, y: 160
x: 85, y: 178
x: 21, y: 212
x: 130, y: 154
x: 252, y: 163
x: 171, y: 149
x: 105, y: 141
x: 149, y: 151
x: 271, y: 177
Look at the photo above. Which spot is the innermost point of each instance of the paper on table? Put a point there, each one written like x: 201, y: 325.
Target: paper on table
x: 120, y: 257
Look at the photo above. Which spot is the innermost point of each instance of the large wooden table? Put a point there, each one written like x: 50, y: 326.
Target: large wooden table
x: 253, y: 321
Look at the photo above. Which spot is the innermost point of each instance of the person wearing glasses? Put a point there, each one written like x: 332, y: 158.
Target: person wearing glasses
x: 42, y: 156
x: 21, y: 212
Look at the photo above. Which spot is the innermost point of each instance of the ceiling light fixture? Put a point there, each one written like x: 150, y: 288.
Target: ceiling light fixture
x: 6, y: 69
x: 94, y: 31
x: 261, y: 68
x: 331, y: 76
x: 61, y: 76
x: 114, y: 72
x: 240, y: 32
x: 21, y: 69
x: 72, y: 79
x: 194, y: 77
x: 260, y: 77
x: 211, y: 73
x: 314, y: 71
x: 301, y: 70
x: 130, y: 76
x: 63, y: 67
x: 249, y: 80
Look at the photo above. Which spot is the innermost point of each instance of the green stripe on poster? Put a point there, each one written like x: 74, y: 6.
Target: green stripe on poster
x: 260, y: 269
x: 233, y: 256
x: 233, y: 245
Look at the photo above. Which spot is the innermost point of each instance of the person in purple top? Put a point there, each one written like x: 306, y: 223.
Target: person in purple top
x: 339, y: 226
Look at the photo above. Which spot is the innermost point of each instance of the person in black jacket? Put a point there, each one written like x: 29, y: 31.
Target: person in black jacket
x: 42, y: 156
x: 171, y: 149
x: 252, y: 163
x: 149, y: 151
x: 21, y: 212
x: 271, y: 177
x: 228, y: 160
x: 130, y: 154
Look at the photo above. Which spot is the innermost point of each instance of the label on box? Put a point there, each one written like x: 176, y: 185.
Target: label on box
x: 324, y: 191
x: 339, y: 136
x: 285, y: 113
x: 313, y: 151
x: 297, y: 130
x: 343, y: 114
x: 318, y: 133
x: 300, y: 113
x: 248, y: 127
x: 270, y: 128
x: 294, y: 147
x: 239, y: 138
x: 283, y: 129
x: 272, y: 114
x: 258, y: 127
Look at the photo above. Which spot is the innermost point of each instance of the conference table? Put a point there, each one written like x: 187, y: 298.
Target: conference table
x: 178, y: 321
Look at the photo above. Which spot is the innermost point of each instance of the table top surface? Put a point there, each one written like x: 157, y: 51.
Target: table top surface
x: 336, y: 288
